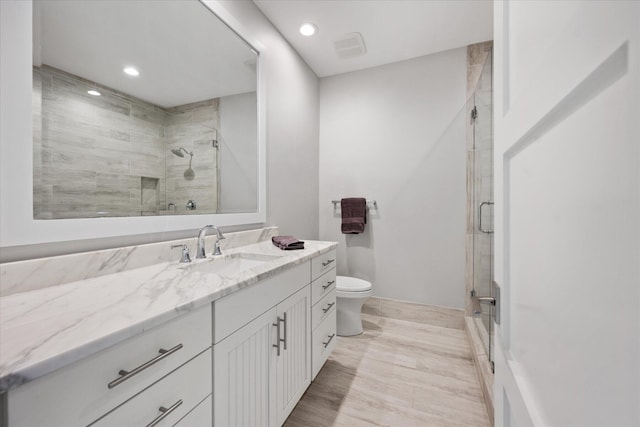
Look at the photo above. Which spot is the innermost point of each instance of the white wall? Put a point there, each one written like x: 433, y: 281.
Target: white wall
x: 292, y: 128
x: 238, y: 153
x: 396, y: 134
x: 291, y: 121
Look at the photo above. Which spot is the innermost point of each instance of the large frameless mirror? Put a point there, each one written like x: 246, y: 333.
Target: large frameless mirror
x: 142, y: 108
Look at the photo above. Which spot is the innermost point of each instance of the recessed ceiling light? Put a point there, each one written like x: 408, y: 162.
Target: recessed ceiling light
x: 131, y: 71
x: 93, y: 92
x: 308, y: 29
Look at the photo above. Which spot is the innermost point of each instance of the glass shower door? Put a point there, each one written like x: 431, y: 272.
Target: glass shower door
x: 482, y: 116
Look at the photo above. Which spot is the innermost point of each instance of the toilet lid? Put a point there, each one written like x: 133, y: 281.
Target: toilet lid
x: 351, y: 284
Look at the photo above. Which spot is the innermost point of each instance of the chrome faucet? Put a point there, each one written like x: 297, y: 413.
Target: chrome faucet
x: 201, y: 252
x: 184, y: 258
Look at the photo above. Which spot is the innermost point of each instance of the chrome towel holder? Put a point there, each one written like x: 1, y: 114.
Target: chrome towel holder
x: 372, y: 202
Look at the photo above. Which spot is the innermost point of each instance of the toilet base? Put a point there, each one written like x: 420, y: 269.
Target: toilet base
x: 348, y: 319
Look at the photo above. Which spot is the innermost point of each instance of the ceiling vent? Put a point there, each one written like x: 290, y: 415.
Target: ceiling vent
x: 350, y: 46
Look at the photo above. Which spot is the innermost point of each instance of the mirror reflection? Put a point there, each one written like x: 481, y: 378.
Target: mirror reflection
x: 141, y: 108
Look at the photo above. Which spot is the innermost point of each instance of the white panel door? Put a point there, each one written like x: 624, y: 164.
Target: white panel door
x: 293, y: 364
x: 243, y: 375
x: 567, y: 213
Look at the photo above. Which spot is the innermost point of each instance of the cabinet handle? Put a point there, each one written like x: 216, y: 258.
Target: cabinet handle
x: 284, y: 341
x: 165, y: 413
x: 278, y: 339
x: 328, y: 284
x: 329, y: 261
x: 125, y: 375
x: 324, y: 310
x: 277, y: 344
x: 330, y: 338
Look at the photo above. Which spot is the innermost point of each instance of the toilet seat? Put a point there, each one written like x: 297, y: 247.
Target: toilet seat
x: 351, y: 287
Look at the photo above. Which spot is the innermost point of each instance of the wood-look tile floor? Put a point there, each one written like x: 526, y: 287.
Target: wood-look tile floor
x: 397, y: 373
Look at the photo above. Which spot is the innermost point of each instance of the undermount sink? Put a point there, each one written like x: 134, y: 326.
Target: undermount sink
x: 228, y: 265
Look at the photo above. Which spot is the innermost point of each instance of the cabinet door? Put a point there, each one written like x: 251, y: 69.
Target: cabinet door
x: 293, y: 367
x: 243, y: 375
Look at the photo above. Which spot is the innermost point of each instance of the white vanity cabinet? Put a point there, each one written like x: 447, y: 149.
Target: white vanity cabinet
x: 262, y: 350
x: 269, y: 339
x: 323, y: 312
x: 137, y: 376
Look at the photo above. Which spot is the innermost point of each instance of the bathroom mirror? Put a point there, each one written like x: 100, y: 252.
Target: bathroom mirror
x: 142, y: 109
x: 21, y: 236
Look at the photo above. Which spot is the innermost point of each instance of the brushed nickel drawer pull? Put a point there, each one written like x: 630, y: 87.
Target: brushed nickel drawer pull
x: 330, y: 338
x: 277, y: 344
x: 165, y: 413
x: 329, y: 261
x: 125, y: 375
x: 284, y: 341
x: 278, y: 338
x: 324, y: 310
x: 328, y: 284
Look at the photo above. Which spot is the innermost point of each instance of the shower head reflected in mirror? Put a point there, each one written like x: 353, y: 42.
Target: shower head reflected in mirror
x: 178, y: 152
x: 189, y: 174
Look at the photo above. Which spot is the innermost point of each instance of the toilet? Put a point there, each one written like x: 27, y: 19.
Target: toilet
x: 351, y: 293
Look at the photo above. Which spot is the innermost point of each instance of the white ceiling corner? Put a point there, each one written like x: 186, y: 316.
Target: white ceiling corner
x: 393, y: 30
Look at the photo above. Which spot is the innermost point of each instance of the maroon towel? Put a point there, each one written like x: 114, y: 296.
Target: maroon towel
x: 287, y: 243
x: 354, y: 215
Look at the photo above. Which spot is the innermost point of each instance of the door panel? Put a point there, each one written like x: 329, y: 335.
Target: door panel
x: 568, y: 214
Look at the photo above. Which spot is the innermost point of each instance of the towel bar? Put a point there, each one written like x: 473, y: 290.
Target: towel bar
x: 373, y: 202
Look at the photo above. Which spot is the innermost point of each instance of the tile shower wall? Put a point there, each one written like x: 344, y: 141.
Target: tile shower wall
x: 94, y: 151
x: 105, y: 156
x: 192, y: 127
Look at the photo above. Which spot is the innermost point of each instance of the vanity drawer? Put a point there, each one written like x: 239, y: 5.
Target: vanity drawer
x: 323, y: 341
x: 323, y: 263
x: 80, y: 393
x: 177, y: 393
x: 324, y: 308
x: 200, y: 415
x: 323, y: 285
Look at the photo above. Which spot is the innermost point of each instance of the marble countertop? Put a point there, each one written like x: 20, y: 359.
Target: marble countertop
x: 46, y: 329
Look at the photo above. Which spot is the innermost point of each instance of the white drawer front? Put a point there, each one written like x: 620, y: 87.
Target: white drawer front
x: 79, y: 394
x: 324, y: 308
x: 323, y: 263
x: 323, y: 285
x: 178, y: 393
x: 323, y: 342
x: 200, y: 416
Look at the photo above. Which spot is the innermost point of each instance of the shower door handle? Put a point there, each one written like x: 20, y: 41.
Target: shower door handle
x: 489, y: 202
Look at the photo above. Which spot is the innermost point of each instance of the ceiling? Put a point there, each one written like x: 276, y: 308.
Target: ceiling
x: 183, y: 51
x: 393, y: 30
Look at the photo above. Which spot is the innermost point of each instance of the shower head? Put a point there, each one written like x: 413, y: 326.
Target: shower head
x: 178, y: 152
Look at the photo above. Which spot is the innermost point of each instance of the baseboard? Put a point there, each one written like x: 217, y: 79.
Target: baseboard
x: 415, y: 312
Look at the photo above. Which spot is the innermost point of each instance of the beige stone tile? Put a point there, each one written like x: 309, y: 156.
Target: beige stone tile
x: 397, y: 373
x: 445, y: 317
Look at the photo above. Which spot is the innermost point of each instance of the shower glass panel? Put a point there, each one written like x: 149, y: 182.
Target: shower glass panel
x: 482, y: 117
